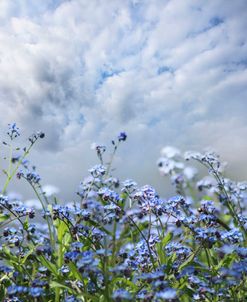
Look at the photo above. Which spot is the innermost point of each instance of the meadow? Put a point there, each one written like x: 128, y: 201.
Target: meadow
x: 121, y: 242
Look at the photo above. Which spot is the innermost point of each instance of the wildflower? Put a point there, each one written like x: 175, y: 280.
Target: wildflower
x: 97, y: 170
x: 98, y: 148
x: 30, y: 175
x: 112, y: 181
x: 180, y: 250
x: 107, y: 194
x: 76, y: 246
x: 16, y: 289
x: 71, y: 256
x: 64, y: 269
x: 242, y: 252
x: 207, y: 206
x: 121, y: 295
x: 36, y: 292
x: 35, y: 136
x: 72, y: 299
x: 43, y: 250
x: 166, y: 294
x: 122, y: 136
x: 149, y: 277
x: 97, y: 235
x: 87, y: 262
x: 144, y: 295
x: 145, y: 195
x: 5, y: 269
x: 233, y: 236
x: 13, y: 131
x: 129, y: 186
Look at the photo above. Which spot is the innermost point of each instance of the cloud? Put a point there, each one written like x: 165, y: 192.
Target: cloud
x: 167, y: 72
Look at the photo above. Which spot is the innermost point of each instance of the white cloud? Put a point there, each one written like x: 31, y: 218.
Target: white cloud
x: 167, y: 72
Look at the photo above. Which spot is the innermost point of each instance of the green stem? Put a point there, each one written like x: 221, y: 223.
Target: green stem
x: 114, y: 241
x: 47, y: 218
x: 111, y: 160
x: 144, y: 238
x: 106, y: 272
x: 208, y: 258
x: 11, y: 174
x: 229, y: 204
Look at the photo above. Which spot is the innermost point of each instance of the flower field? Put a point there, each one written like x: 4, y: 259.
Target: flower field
x: 121, y: 242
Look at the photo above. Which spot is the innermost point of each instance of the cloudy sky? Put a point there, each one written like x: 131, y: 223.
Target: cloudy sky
x: 166, y: 72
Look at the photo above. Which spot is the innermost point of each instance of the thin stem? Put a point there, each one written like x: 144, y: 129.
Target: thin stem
x: 229, y: 204
x: 111, y: 159
x: 114, y: 241
x: 144, y: 238
x: 52, y: 237
x: 10, y: 175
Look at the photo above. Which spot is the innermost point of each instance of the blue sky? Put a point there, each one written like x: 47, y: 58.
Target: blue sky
x: 166, y: 72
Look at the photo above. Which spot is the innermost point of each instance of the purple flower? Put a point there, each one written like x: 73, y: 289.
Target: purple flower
x: 121, y: 295
x: 122, y: 136
x: 13, y: 131
x: 167, y: 294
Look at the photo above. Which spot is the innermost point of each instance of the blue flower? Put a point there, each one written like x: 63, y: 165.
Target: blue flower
x: 167, y: 294
x: 35, y: 136
x: 121, y: 295
x: 36, y: 291
x: 64, y: 269
x: 71, y: 256
x: 97, y: 170
x: 233, y: 236
x: 5, y: 269
x: 16, y: 289
x: 180, y: 250
x: 13, y: 131
x: 122, y: 136
x: 72, y: 299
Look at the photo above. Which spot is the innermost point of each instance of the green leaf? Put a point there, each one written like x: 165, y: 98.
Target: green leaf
x: 226, y: 261
x: 170, y: 261
x: 125, y: 282
x: 25, y: 224
x: 160, y: 247
x: 187, y: 262
x: 206, y: 197
x: 4, y: 217
x: 2, y: 293
x: 9, y: 256
x: 27, y: 255
x: 166, y: 239
x: 51, y: 267
x: 62, y: 228
x: 55, y: 284
x: 74, y: 271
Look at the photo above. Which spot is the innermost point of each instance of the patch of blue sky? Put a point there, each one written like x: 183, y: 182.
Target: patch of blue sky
x: 105, y: 74
x: 235, y: 65
x: 108, y: 73
x: 242, y: 63
x: 163, y: 69
x: 213, y: 22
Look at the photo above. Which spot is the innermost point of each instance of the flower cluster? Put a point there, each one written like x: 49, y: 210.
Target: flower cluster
x: 120, y: 242
x: 13, y: 131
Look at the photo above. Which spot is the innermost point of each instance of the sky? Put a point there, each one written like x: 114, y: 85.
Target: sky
x: 166, y: 72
